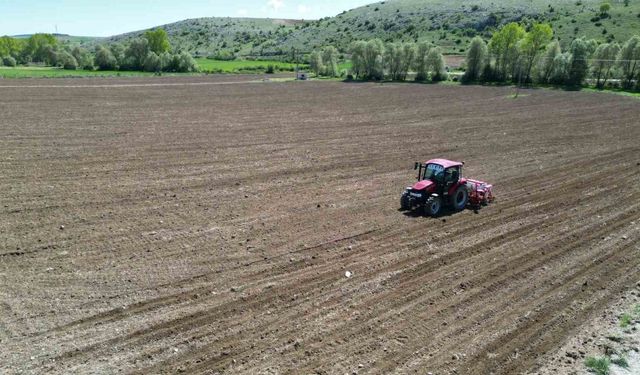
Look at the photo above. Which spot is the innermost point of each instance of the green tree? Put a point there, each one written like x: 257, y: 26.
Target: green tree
x: 83, y: 57
x: 561, y: 68
x: 39, y: 46
x: 603, y: 62
x: 117, y: 50
x: 393, y: 60
x: 436, y: 65
x: 476, y: 59
x: 533, y: 44
x: 420, y: 61
x: 152, y: 63
x: 136, y: 53
x: 629, y: 61
x: 358, y: 66
x: 398, y: 59
x: 104, y: 59
x: 504, y: 46
x: 579, y: 67
x: 374, y: 60
x: 315, y: 63
x: 408, y: 55
x: 11, y: 46
x: 49, y: 55
x: 548, y: 61
x: 330, y: 61
x: 158, y: 41
x: 605, y: 8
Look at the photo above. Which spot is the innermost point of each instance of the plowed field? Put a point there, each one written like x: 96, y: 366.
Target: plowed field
x: 205, y: 225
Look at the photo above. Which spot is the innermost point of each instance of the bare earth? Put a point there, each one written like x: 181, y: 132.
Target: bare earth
x: 182, y: 225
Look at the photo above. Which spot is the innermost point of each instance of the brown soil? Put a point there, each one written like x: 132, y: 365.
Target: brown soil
x: 165, y: 225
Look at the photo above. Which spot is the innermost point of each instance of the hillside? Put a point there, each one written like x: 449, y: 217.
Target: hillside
x: 206, y: 36
x: 449, y: 24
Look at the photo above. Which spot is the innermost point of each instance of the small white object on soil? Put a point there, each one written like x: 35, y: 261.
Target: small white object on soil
x: 348, y: 274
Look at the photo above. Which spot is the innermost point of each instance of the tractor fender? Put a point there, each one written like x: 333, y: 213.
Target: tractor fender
x: 454, y: 187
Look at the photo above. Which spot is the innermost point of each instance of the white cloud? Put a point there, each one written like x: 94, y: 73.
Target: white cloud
x: 303, y: 9
x: 242, y: 12
x: 275, y: 4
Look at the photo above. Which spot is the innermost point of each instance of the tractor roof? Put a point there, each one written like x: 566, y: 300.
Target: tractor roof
x: 445, y: 163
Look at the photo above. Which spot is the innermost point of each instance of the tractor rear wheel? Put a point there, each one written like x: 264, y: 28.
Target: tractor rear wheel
x: 433, y: 206
x: 460, y: 198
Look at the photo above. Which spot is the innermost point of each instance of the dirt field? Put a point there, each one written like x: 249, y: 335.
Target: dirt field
x: 200, y: 226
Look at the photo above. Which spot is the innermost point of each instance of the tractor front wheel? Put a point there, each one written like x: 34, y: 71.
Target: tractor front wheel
x: 460, y: 198
x: 404, y: 202
x: 433, y: 206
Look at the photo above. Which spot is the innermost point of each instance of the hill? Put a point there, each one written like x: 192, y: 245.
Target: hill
x: 207, y: 36
x: 449, y: 24
x: 452, y: 23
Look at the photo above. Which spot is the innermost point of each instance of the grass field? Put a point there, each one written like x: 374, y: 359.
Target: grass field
x: 244, y: 66
x: 205, y: 65
x: 50, y: 72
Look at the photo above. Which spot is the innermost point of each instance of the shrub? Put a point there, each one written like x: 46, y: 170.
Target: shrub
x: 270, y: 69
x: 67, y: 61
x: 152, y: 63
x: 9, y: 61
x: 84, y: 59
x: 167, y: 62
x: 222, y: 56
x: 105, y: 59
x: 186, y: 63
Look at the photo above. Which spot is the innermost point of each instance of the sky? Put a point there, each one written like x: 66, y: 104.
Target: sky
x: 107, y: 18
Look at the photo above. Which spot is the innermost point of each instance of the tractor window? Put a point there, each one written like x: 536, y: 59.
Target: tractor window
x: 434, y: 172
x: 452, y: 175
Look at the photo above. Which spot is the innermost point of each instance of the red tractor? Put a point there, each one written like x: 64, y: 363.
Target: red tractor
x: 440, y: 183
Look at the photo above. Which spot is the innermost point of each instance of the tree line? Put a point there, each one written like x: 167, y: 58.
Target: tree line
x: 514, y: 54
x: 375, y: 60
x: 151, y: 53
x: 522, y: 56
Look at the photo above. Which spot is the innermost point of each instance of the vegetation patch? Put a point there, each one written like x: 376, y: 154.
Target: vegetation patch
x: 244, y: 66
x: 598, y: 365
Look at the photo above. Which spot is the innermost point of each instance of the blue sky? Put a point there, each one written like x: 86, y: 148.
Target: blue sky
x: 106, y: 18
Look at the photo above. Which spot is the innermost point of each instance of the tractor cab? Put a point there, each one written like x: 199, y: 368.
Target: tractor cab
x: 438, y: 175
x: 440, y: 183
